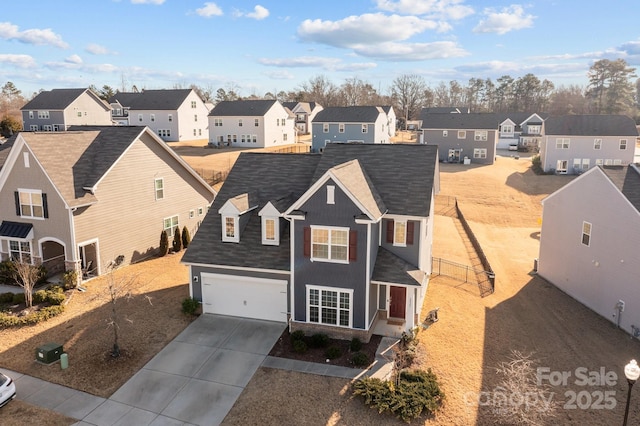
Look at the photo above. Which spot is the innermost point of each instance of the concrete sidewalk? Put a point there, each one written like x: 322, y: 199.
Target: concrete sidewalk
x: 212, y: 360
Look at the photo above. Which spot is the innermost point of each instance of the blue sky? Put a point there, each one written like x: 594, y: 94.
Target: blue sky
x: 274, y: 45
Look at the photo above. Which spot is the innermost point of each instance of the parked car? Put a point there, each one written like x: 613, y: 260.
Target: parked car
x: 513, y: 147
x: 7, y: 389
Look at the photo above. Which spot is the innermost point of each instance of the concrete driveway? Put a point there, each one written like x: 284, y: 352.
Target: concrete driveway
x: 196, y: 378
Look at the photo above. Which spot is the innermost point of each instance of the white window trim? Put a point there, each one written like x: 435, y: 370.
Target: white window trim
x: 445, y: 133
x: 623, y: 143
x: 337, y: 290
x: 235, y: 238
x: 365, y: 128
x: 325, y: 127
x: 276, y: 231
x: 341, y: 128
x: 462, y: 134
x: 480, y: 135
x: 329, y: 259
x: 20, y: 241
x: 597, y: 144
x: 480, y: 153
x: 588, y: 234
x: 396, y: 242
x: 561, y: 142
x: 31, y: 191
x: 170, y: 231
x: 156, y: 189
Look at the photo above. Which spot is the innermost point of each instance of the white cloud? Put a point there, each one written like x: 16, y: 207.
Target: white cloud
x: 20, y: 61
x: 365, y: 29
x: 258, y: 13
x: 157, y: 2
x: 412, y: 51
x: 9, y: 31
x: 209, y: 10
x: 508, y: 19
x: 439, y: 9
x: 329, y: 64
x: 279, y: 75
x: 96, y: 49
x: 73, y: 59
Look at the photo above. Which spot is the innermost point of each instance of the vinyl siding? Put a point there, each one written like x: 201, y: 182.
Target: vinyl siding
x: 607, y: 270
x: 582, y: 147
x: 55, y: 117
x: 186, y: 122
x: 468, y: 144
x: 57, y: 225
x: 128, y: 220
x: 92, y: 112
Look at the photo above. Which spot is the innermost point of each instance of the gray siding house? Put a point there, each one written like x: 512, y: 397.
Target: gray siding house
x: 572, y: 144
x: 91, y: 196
x: 55, y: 110
x: 470, y: 136
x: 304, y: 113
x: 589, y: 244
x: 520, y: 130
x: 355, y: 124
x: 338, y: 243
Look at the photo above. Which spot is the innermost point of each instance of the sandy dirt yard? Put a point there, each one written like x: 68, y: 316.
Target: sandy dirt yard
x: 475, y: 334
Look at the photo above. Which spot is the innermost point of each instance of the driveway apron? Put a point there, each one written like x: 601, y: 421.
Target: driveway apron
x: 196, y: 378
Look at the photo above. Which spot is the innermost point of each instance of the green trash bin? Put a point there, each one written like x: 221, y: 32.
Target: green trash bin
x: 64, y: 361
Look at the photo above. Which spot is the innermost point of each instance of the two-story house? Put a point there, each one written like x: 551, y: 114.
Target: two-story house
x: 391, y: 120
x: 338, y: 242
x: 354, y: 124
x: 251, y: 124
x: 55, y: 110
x: 174, y: 115
x: 574, y: 143
x: 590, y: 242
x: 470, y: 136
x: 520, y: 131
x: 94, y: 196
x: 304, y: 113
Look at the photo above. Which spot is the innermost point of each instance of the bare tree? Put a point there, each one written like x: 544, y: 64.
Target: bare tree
x: 407, y: 91
x: 321, y: 90
x: 26, y: 275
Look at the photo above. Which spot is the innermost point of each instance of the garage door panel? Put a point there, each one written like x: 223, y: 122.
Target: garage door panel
x: 246, y: 297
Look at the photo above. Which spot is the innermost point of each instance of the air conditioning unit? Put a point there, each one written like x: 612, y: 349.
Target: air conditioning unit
x: 49, y: 353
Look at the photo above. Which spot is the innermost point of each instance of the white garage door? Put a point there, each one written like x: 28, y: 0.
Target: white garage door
x: 247, y: 297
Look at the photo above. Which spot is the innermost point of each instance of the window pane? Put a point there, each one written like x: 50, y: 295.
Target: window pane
x: 229, y: 227
x: 339, y: 252
x: 344, y: 318
x: 329, y: 316
x: 329, y: 298
x: 586, y: 228
x: 320, y: 236
x: 314, y: 314
x: 270, y: 232
x: 321, y: 251
x: 344, y: 300
x: 400, y: 232
x: 314, y: 297
x: 339, y: 237
x: 13, y: 245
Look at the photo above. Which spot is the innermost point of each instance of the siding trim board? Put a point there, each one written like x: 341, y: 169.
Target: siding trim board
x: 236, y: 268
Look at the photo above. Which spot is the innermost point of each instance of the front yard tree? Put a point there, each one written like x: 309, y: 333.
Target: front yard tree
x: 610, y: 89
x: 26, y: 275
x: 177, y: 240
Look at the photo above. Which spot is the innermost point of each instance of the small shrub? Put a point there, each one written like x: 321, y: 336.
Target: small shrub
x: 164, y: 244
x: 39, y: 296
x: 319, y: 340
x: 55, y: 298
x: 18, y: 298
x: 177, y: 240
x: 6, y: 297
x: 297, y: 335
x: 190, y: 306
x: 33, y: 318
x: 186, y: 237
x: 355, y: 345
x: 299, y: 346
x: 7, y: 272
x: 360, y: 359
x: 333, y: 352
x: 70, y: 280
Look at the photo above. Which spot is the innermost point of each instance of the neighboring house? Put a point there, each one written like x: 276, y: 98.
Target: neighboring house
x: 174, y: 115
x: 574, y: 143
x: 355, y: 124
x: 520, y: 130
x: 304, y: 113
x: 251, y: 124
x: 446, y: 110
x: 470, y: 136
x: 57, y: 109
x: 589, y: 243
x: 338, y: 243
x: 391, y: 120
x: 93, y: 197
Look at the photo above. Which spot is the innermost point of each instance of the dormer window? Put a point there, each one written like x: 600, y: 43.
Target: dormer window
x: 270, y: 224
x: 230, y: 231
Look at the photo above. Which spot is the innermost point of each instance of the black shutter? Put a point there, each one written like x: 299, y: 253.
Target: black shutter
x: 410, y: 226
x: 45, y: 206
x: 17, y: 198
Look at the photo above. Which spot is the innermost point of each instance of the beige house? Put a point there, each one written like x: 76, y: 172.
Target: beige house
x: 93, y: 197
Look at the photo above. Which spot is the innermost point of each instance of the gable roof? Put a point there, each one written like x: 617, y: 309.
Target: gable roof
x: 248, y: 108
x: 352, y: 114
x: 5, y: 148
x: 152, y: 99
x: 270, y: 176
x: 59, y: 99
x: 477, y: 120
x: 627, y: 180
x: 591, y: 125
x: 446, y: 110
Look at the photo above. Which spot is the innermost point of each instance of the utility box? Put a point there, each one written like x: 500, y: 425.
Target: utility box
x: 49, y: 353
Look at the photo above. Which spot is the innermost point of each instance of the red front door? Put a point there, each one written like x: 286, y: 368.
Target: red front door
x: 397, y: 304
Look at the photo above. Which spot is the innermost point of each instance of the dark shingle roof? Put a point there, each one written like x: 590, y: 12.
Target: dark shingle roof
x: 57, y: 99
x: 487, y: 121
x: 591, y: 125
x: 627, y: 180
x: 152, y: 99
x: 403, y: 174
x: 15, y: 229
x: 389, y: 268
x: 270, y: 176
x: 5, y: 148
x: 446, y: 110
x: 250, y: 108
x: 353, y: 114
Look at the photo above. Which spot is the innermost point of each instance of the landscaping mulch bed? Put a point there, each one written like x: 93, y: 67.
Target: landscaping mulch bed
x: 284, y: 349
